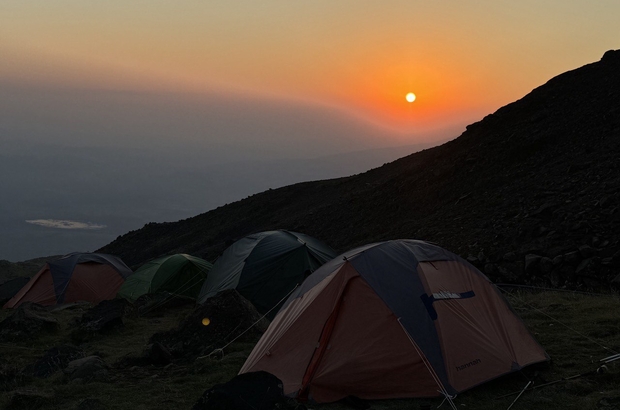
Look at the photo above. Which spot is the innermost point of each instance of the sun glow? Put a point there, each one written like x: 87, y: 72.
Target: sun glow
x: 410, y: 97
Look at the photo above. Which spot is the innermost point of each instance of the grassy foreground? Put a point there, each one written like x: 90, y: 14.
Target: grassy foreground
x: 576, y: 331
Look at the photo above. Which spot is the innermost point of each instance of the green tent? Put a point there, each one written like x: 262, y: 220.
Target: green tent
x: 264, y: 267
x: 178, y: 274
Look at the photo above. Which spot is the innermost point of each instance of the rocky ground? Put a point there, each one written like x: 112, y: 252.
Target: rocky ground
x: 119, y: 367
x: 110, y: 356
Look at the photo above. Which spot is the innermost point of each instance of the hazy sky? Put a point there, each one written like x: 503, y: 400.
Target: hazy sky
x: 462, y: 59
x: 118, y: 113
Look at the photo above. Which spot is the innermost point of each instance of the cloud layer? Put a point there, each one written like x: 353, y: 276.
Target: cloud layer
x: 64, y: 224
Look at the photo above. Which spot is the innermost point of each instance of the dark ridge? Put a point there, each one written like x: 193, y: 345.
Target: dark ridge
x: 529, y: 194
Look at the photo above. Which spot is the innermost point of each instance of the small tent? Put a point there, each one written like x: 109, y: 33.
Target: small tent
x: 393, y: 319
x: 266, y: 266
x: 89, y: 277
x: 10, y: 288
x: 179, y: 274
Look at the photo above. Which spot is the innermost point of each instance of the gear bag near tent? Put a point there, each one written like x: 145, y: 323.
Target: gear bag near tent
x: 266, y: 266
x: 180, y: 275
x: 77, y: 277
x: 393, y: 319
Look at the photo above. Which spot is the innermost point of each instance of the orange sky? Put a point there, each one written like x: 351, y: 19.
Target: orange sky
x: 462, y: 60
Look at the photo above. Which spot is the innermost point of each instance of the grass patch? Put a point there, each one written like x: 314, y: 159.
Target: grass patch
x: 576, y: 330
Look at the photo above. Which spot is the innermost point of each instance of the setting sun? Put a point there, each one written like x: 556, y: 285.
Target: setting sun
x: 410, y: 97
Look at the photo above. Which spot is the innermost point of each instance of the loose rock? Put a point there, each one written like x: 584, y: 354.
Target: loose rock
x: 56, y: 358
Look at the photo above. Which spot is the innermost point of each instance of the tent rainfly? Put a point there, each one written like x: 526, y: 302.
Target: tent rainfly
x: 393, y: 319
x: 266, y: 266
x: 179, y: 274
x: 77, y: 277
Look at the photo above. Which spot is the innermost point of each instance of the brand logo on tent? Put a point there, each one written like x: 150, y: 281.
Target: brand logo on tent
x: 466, y: 365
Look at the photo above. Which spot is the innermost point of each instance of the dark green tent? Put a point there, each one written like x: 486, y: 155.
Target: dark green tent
x: 10, y: 288
x: 178, y: 274
x: 266, y: 266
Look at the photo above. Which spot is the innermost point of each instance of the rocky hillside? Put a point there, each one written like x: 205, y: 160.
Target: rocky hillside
x: 10, y: 270
x: 530, y: 194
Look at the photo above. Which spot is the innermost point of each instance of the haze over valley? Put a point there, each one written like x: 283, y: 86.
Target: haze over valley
x: 79, y: 168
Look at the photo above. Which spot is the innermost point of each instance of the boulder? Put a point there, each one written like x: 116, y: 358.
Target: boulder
x: 106, y: 316
x: 473, y: 260
x: 567, y: 273
x: 510, y: 257
x: 507, y: 274
x: 572, y: 258
x: 587, y: 266
x: 531, y: 262
x: 87, y: 369
x: 28, y: 322
x: 545, y: 265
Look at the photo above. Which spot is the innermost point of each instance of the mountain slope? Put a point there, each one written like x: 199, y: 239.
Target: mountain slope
x: 530, y: 193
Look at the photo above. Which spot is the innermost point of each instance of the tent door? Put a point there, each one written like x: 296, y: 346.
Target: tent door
x: 321, y: 346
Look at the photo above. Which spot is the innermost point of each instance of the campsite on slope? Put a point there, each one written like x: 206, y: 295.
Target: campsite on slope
x: 402, y: 322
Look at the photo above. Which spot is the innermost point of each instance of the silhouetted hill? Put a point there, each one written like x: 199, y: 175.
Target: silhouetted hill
x: 529, y: 194
x: 11, y: 270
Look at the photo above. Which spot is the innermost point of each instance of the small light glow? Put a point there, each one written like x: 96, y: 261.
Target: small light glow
x: 410, y: 97
x: 206, y: 321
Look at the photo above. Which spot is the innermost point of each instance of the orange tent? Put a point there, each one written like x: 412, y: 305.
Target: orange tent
x: 90, y: 277
x: 393, y: 319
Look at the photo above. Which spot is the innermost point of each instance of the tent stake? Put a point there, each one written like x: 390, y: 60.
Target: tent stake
x: 611, y: 358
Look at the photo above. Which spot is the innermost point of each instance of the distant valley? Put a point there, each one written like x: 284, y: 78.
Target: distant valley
x: 106, y: 192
